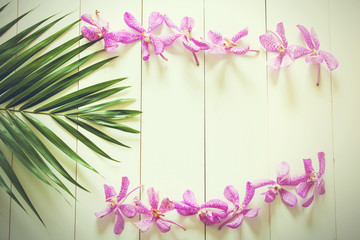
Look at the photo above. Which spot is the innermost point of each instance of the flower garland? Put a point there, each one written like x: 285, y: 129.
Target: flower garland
x: 215, y: 211
x: 275, y: 42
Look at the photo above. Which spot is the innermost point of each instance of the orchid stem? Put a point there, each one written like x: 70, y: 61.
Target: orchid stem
x: 226, y: 221
x: 132, y: 191
x: 196, y: 59
x: 319, y: 70
x: 251, y: 50
x: 177, y: 224
x: 163, y: 57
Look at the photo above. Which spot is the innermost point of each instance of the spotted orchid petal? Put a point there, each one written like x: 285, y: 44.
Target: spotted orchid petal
x: 158, y: 44
x: 91, y: 33
x: 145, y: 50
x: 110, y: 42
x: 162, y: 225
x: 275, y: 62
x: 262, y: 182
x: 189, y: 198
x: 166, y: 205
x: 250, y: 192
x: 109, y: 192
x: 315, y: 39
x: 131, y: 21
x: 215, y: 37
x: 294, y: 180
x: 321, y: 156
x: 105, y: 212
x: 251, y: 213
x: 185, y: 209
x: 299, y: 51
x: 321, y: 186
x: 240, y: 50
x: 287, y: 197
x: 89, y: 19
x: 236, y: 222
x: 153, y: 198
x: 191, y: 46
x: 170, y: 24
x: 187, y: 23
x: 128, y: 210
x: 309, y: 199
x: 141, y: 208
x: 119, y: 222
x: 282, y: 170
x: 144, y: 225
x: 307, y: 37
x: 308, y: 166
x: 281, y: 31
x: 303, y: 188
x: 231, y: 194
x: 217, y: 203
x: 270, y: 195
x: 269, y: 43
x: 217, y: 50
x: 209, y: 219
x: 201, y: 43
x: 240, y: 35
x: 168, y: 39
x: 155, y: 20
x: 124, y: 188
x: 286, y: 60
x: 126, y: 37
x: 330, y: 60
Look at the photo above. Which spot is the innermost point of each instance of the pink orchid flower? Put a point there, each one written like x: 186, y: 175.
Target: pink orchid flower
x: 206, y: 212
x: 117, y: 204
x: 222, y: 45
x: 190, y: 43
x: 277, y: 42
x: 156, y: 213
x: 276, y: 187
x: 314, y: 179
x: 146, y: 37
x: 100, y: 30
x: 316, y: 56
x: 237, y: 214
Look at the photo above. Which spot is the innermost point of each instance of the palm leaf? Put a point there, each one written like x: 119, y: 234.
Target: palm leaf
x: 3, y: 7
x: 30, y: 78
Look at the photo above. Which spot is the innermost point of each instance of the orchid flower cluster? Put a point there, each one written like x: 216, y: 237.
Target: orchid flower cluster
x: 215, y: 211
x: 276, y: 42
x: 218, y: 44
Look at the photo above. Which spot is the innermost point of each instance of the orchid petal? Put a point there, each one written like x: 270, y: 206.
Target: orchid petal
x: 144, y: 225
x: 158, y: 44
x: 282, y: 170
x: 119, y: 222
x: 286, y: 60
x: 189, y: 198
x: 269, y: 43
x: 89, y: 19
x: 91, y: 33
x: 303, y: 188
x: 126, y: 37
x: 217, y: 50
x: 240, y: 50
x: 309, y: 199
x: 330, y: 60
x: 202, y: 44
x: 169, y: 23
x: 128, y: 210
x: 153, y: 198
x: 209, y: 219
x: 240, y: 35
x: 155, y: 20
x: 308, y: 166
x: 145, y: 50
x: 131, y: 21
x: 231, y: 194
x: 262, y: 182
x: 298, y: 51
x: 270, y: 195
x: 162, y: 225
x: 307, y: 37
x: 236, y: 222
x: 141, y: 208
x: 215, y: 37
x: 169, y: 38
x: 315, y: 39
x: 189, y: 45
x: 281, y: 31
x: 321, y: 186
x: 166, y: 205
x: 294, y: 180
x: 321, y: 156
x: 105, y: 212
x: 187, y: 23
x: 251, y: 213
x: 109, y: 192
x: 216, y: 203
x: 275, y: 62
x: 221, y: 214
x: 124, y: 188
x: 185, y: 209
x: 288, y: 198
x: 250, y: 191
x: 110, y: 43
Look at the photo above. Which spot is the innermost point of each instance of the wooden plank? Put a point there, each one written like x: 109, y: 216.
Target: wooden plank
x: 345, y: 86
x: 128, y: 64
x: 59, y: 223
x: 173, y: 119
x: 236, y: 114
x: 300, y: 121
x: 6, y: 16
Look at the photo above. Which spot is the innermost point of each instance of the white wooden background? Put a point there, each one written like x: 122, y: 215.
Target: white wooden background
x: 204, y: 127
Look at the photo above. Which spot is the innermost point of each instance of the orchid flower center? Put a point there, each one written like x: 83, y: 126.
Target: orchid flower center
x: 276, y: 187
x: 281, y: 48
x: 187, y: 34
x: 146, y: 37
x: 202, y: 212
x: 113, y: 201
x: 228, y: 43
x: 238, y: 209
x: 314, y: 52
x: 313, y: 176
x: 157, y: 213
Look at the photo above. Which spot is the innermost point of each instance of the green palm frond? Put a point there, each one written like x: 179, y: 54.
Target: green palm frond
x: 28, y: 79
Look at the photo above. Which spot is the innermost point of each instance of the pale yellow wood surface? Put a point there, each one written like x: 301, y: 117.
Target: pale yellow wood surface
x: 225, y: 122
